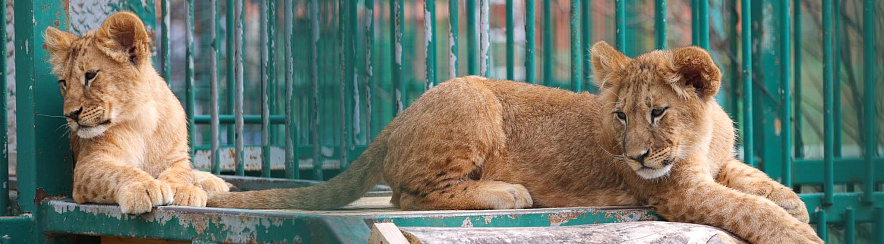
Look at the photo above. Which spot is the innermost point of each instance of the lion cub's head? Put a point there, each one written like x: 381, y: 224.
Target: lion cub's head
x: 100, y: 73
x: 656, y: 104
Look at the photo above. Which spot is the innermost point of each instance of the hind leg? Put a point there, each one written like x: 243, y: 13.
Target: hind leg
x: 470, y: 195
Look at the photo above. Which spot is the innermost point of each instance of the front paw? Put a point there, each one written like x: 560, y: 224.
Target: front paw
x: 140, y: 197
x: 189, y: 195
x: 786, y: 199
x: 795, y: 233
x: 213, y: 185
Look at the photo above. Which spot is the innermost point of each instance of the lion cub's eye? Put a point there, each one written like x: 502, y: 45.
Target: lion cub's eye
x: 620, y: 115
x: 90, y: 75
x: 657, y: 112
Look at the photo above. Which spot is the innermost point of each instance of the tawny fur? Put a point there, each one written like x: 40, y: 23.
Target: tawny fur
x: 128, y: 131
x: 477, y: 143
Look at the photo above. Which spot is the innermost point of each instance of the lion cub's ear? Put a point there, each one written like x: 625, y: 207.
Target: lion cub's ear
x: 605, y: 61
x: 124, y: 38
x: 698, y: 71
x: 59, y: 45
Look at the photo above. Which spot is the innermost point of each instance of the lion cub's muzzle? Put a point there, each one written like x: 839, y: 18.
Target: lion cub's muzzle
x: 88, y: 122
x: 652, y: 164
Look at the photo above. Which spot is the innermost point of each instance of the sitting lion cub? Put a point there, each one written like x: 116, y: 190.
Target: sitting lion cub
x: 128, y: 131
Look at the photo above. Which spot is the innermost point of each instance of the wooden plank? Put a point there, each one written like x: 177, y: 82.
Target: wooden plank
x: 386, y: 233
x: 127, y: 240
x: 630, y: 232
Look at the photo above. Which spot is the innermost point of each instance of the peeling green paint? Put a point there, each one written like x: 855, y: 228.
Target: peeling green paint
x: 249, y: 226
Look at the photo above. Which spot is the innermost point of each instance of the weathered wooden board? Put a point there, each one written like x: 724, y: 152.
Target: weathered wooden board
x: 630, y: 232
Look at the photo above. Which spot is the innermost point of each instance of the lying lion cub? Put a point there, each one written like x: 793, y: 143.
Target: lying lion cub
x: 654, y: 136
x: 128, y: 131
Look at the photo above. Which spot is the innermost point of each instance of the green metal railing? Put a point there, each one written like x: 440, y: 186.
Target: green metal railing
x: 332, y: 84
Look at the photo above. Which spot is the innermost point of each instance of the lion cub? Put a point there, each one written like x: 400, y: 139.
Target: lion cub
x: 128, y: 131
x: 653, y: 136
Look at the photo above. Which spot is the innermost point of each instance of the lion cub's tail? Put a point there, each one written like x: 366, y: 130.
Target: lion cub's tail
x: 339, y: 191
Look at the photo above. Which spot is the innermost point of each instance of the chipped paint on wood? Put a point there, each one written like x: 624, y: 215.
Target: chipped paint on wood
x: 226, y: 225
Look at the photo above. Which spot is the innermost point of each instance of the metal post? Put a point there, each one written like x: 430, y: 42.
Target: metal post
x: 828, y: 132
x: 869, y: 110
x: 213, y: 62
x: 292, y: 169
x: 510, y: 42
x: 430, y: 35
x: 786, y: 93
x: 238, y: 89
x: 660, y: 24
x: 530, y: 47
x: 586, y: 28
x: 548, y: 49
x: 453, y: 27
x: 190, y: 92
x: 748, y: 152
x: 574, y: 20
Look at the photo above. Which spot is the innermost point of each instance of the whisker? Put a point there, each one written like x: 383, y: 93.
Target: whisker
x: 51, y: 116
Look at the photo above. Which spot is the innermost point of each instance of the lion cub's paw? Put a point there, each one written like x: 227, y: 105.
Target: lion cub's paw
x: 212, y: 184
x: 501, y: 195
x: 189, y: 195
x: 785, y: 198
x: 799, y: 233
x: 140, y: 197
x: 788, y: 200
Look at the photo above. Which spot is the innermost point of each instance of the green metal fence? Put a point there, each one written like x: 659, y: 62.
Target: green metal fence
x: 329, y: 77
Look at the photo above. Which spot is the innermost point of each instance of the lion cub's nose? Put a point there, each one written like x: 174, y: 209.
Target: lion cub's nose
x: 74, y: 115
x: 640, y: 157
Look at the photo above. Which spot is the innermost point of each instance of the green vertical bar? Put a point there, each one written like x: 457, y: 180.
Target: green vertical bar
x: 213, y: 62
x: 238, y: 90
x: 733, y: 79
x: 620, y: 19
x: 748, y: 153
x: 453, y: 27
x: 314, y: 83
x: 353, y: 108
x: 472, y: 41
x: 836, y: 76
x: 822, y: 229
x: 44, y: 162
x: 547, y: 44
x: 530, y: 46
x: 828, y: 133
x: 510, y: 42
x: 796, y: 18
x: 4, y: 138
x: 343, y: 62
x: 576, y: 57
x: 292, y: 167
x: 586, y: 29
x: 26, y: 168
x: 430, y: 34
x: 660, y: 24
x: 703, y: 24
x: 369, y: 67
x: 850, y: 226
x: 879, y: 218
x: 786, y: 111
x: 231, y: 63
x: 164, y: 42
x: 397, y: 24
x: 869, y: 110
x: 267, y: 83
x: 485, y: 38
x: 190, y: 92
